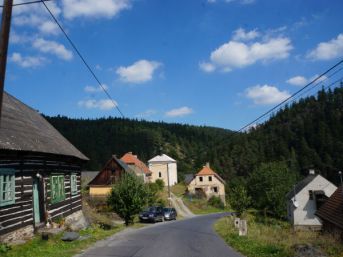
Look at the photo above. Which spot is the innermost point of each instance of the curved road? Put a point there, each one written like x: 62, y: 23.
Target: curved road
x: 193, y: 237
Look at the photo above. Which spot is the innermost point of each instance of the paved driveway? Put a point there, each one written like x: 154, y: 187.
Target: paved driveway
x: 193, y: 237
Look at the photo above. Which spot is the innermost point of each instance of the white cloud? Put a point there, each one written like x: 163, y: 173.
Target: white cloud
x: 179, y: 112
x: 103, y: 104
x: 146, y: 114
x: 16, y: 38
x: 297, y: 81
x: 90, y: 89
x: 328, y: 50
x: 241, y: 35
x: 139, y: 72
x: 49, y: 27
x: 27, y: 61
x: 52, y: 47
x: 207, y: 67
x: 33, y: 14
x: 236, y: 54
x: 302, y: 81
x: 241, y: 1
x: 94, y: 9
x: 264, y: 95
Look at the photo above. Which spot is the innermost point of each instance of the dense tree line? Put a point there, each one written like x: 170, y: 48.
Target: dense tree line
x: 306, y: 134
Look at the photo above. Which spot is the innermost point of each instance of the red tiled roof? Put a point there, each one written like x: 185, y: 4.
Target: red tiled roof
x: 332, y: 209
x: 129, y: 158
x: 208, y: 171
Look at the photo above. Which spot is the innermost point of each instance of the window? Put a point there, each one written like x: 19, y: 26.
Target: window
x: 210, y: 178
x: 7, y: 187
x: 310, y: 194
x: 73, y: 184
x: 215, y: 189
x: 160, y: 175
x: 57, y: 188
x: 200, y: 179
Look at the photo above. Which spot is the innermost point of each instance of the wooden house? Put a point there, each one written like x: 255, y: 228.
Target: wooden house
x: 39, y: 171
x: 331, y: 214
x: 137, y: 166
x: 102, y: 184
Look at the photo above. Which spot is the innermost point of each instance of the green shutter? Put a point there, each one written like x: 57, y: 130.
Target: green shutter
x: 57, y: 188
x: 7, y: 187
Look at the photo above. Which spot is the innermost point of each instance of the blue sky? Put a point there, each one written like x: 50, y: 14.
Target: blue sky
x: 217, y: 62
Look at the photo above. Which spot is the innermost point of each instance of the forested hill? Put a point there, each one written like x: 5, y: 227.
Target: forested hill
x: 307, y: 134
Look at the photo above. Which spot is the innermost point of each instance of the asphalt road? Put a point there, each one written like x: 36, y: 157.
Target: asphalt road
x: 193, y: 237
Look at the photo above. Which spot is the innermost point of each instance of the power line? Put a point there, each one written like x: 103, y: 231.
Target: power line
x: 83, y: 59
x: 26, y: 3
x: 290, y: 97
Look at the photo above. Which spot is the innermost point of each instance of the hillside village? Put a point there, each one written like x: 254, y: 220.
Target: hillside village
x: 83, y: 183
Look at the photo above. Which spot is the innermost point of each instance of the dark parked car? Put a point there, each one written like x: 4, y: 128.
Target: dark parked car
x: 152, y: 214
x: 169, y: 214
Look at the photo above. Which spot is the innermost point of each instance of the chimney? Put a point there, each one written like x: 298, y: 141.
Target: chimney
x: 129, y: 152
x: 311, y: 172
x: 207, y: 165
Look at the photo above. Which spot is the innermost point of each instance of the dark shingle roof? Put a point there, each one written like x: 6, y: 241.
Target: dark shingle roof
x: 24, y: 129
x: 332, y: 209
x: 188, y: 178
x: 298, y: 187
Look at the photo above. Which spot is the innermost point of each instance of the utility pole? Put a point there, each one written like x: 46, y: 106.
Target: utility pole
x: 169, y: 198
x: 4, y: 37
x: 340, y: 175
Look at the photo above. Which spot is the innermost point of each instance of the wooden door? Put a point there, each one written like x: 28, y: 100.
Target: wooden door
x: 36, y: 209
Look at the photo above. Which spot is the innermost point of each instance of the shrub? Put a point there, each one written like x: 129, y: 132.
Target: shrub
x: 128, y: 196
x: 215, y: 201
x: 160, y: 184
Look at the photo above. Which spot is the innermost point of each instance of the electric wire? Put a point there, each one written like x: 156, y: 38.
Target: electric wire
x: 290, y: 97
x: 26, y: 3
x: 82, y: 58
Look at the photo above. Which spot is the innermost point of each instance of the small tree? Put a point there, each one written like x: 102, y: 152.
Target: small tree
x: 160, y: 184
x: 239, y: 199
x: 128, y: 196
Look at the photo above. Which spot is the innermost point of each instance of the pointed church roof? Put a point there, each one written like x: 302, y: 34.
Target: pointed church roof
x: 162, y: 158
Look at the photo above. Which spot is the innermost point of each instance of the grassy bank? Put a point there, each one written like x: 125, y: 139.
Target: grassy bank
x: 273, y: 238
x: 55, y: 247
x: 197, y: 206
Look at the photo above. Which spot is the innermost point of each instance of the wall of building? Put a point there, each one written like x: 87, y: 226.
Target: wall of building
x: 161, y: 168
x: 19, y: 215
x: 304, y: 215
x: 96, y: 191
x: 207, y: 186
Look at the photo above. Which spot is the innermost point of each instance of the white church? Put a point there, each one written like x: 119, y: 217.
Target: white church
x: 163, y: 167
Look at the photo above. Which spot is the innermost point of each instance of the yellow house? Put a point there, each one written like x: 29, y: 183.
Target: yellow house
x: 207, y: 182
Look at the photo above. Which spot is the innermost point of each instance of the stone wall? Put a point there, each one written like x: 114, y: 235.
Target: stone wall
x: 19, y: 234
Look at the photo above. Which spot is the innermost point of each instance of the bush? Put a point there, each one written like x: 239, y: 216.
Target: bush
x: 128, y: 196
x: 215, y: 201
x: 160, y: 184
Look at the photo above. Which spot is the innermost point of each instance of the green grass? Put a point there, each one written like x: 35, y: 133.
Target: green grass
x: 273, y: 238
x: 179, y: 189
x: 55, y: 247
x: 200, y: 206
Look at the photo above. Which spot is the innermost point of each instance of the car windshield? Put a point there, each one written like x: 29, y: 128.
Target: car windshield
x: 167, y: 209
x: 150, y: 209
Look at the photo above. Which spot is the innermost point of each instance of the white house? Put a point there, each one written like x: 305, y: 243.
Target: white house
x: 161, y: 166
x: 306, y: 198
